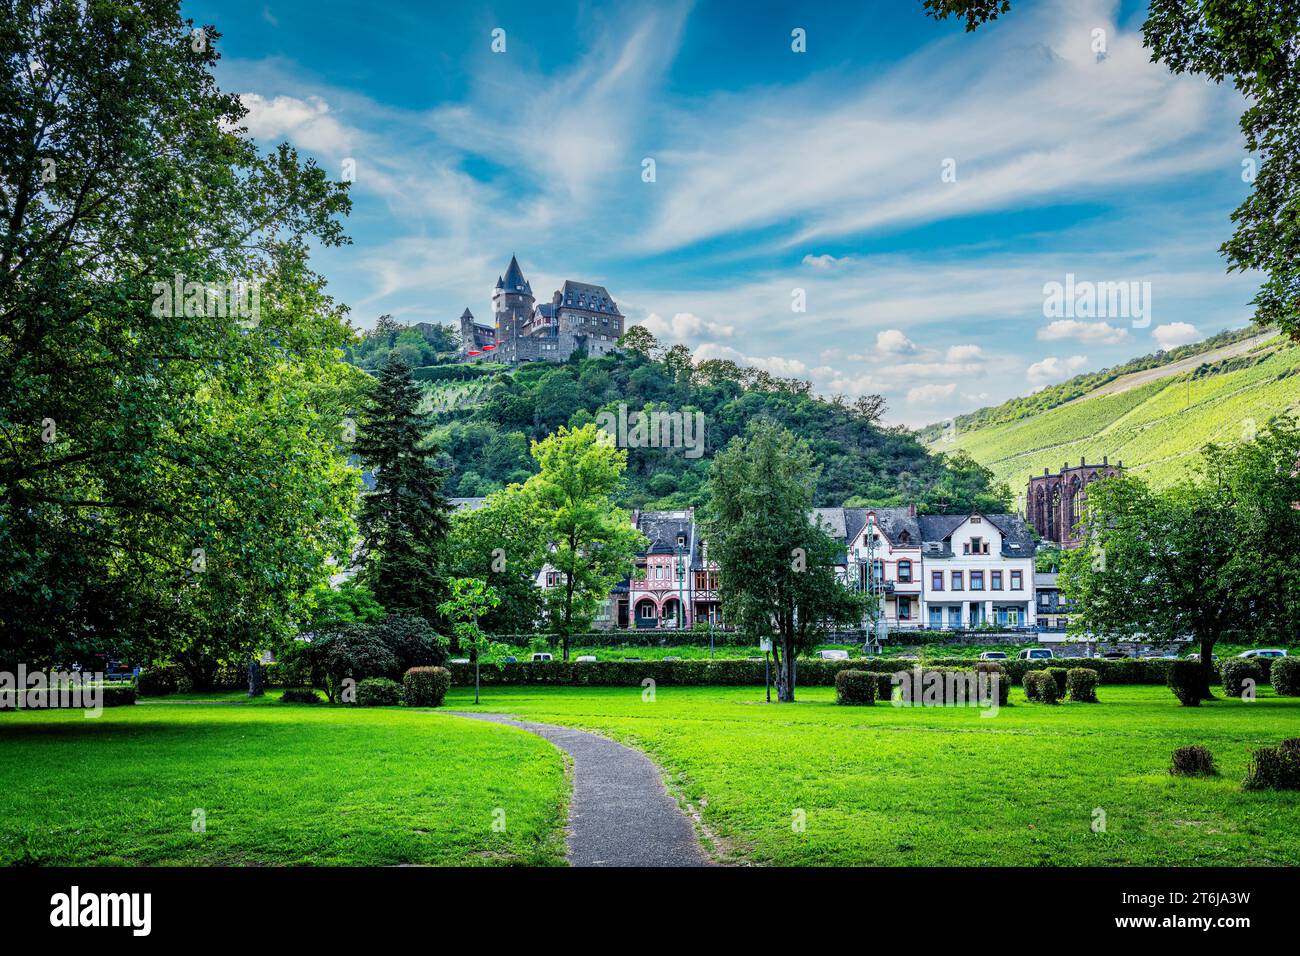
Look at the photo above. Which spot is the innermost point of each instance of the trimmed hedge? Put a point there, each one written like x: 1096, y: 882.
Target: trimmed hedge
x: 110, y: 695
x: 1081, y: 682
x: 300, y: 695
x: 1235, y: 671
x: 1285, y: 676
x: 425, y: 686
x: 1041, y: 687
x: 1195, y: 761
x: 159, y: 681
x: 378, y: 692
x: 1186, y: 682
x: 855, y: 687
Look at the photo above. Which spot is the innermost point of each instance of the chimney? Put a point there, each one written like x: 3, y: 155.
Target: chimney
x: 911, y: 510
x: 1082, y: 461
x: 1105, y: 460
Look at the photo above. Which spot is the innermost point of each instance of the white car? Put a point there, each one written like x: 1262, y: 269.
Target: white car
x: 993, y: 656
x: 587, y: 659
x: 1036, y: 654
x: 541, y: 657
x: 1263, y: 652
x: 833, y: 655
x: 459, y: 660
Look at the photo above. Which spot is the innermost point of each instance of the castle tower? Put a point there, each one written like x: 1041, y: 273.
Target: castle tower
x: 1054, y: 504
x: 512, y: 302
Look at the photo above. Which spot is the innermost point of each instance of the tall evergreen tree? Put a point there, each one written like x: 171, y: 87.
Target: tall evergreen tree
x: 404, y: 520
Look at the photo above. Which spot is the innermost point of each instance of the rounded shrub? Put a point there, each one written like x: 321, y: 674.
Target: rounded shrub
x: 1186, y: 682
x: 1081, y: 682
x: 1285, y: 675
x: 1194, y: 761
x: 1040, y: 687
x: 299, y: 695
x: 1274, y: 768
x: 161, y: 680
x: 1059, y: 674
x: 378, y: 692
x: 855, y: 687
x: 1234, y: 673
x: 426, y: 686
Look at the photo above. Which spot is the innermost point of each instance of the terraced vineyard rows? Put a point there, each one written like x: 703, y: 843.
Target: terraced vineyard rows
x: 1156, y: 428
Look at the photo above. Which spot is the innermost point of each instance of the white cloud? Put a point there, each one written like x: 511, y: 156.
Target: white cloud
x: 1173, y: 334
x: 930, y: 394
x: 1052, y: 369
x: 307, y: 122
x: 823, y: 261
x: 964, y: 353
x: 894, y: 342
x: 775, y: 365
x: 1091, y: 333
x: 685, y: 327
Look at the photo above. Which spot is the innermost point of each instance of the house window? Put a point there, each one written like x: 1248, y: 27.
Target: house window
x: 904, y: 538
x: 936, y: 617
x: 878, y: 570
x: 977, y: 580
x: 904, y: 609
x: 957, y: 581
x: 996, y: 582
x: 905, y: 571
x: 936, y: 580
x: 1017, y: 580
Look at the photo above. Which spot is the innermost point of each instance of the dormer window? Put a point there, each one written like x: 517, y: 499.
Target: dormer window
x: 681, y: 541
x: 904, y: 538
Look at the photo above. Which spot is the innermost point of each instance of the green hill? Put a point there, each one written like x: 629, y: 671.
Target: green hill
x: 1154, y: 413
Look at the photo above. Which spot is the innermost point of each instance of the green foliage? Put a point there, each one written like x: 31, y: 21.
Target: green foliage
x: 161, y: 680
x: 425, y: 686
x: 349, y: 603
x: 378, y: 692
x: 592, y: 540
x: 1274, y: 768
x: 1081, y: 683
x: 776, y: 568
x: 855, y: 687
x: 1059, y: 675
x: 861, y: 460
x: 170, y: 473
x: 422, y: 345
x: 1235, y: 672
x: 1187, y: 681
x: 404, y: 519
x: 503, y: 542
x: 1284, y: 674
x: 1041, y: 687
x: 384, y: 648
x: 1193, y: 761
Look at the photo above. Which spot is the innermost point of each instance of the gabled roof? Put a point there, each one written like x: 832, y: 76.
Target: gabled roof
x: 1017, y: 539
x: 832, y: 521
x: 592, y: 298
x: 893, y: 524
x: 663, y: 527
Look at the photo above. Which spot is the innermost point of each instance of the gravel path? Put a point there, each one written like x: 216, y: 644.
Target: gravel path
x: 620, y: 814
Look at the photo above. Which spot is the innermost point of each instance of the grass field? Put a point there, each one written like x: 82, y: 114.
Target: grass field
x: 874, y: 786
x: 888, y: 786
x: 278, y: 784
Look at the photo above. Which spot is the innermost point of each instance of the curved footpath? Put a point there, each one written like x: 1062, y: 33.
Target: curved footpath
x: 620, y: 813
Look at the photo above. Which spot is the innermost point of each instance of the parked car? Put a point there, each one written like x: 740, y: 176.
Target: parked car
x: 541, y: 657
x: 587, y: 659
x: 1263, y: 652
x: 1194, y: 656
x: 511, y: 659
x: 1036, y: 654
x: 993, y: 656
x: 833, y: 655
x: 1113, y: 656
x: 459, y: 660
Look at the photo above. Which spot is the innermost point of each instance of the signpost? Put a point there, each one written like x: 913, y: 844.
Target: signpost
x: 765, y: 645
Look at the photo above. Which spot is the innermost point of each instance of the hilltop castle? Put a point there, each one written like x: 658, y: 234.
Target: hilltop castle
x: 578, y: 315
x: 1054, y: 503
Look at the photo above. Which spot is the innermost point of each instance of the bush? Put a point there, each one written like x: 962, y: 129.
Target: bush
x: 855, y: 687
x: 426, y: 686
x: 1286, y: 676
x: 1059, y: 674
x: 1040, y: 687
x: 1187, y: 683
x: 299, y: 695
x: 159, y: 681
x: 378, y: 692
x: 413, y: 642
x: 1196, y: 761
x: 1235, y: 672
x: 1274, y: 768
x: 1081, y: 682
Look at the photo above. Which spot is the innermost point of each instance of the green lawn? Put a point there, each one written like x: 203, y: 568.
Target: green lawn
x: 875, y: 786
x: 896, y: 786
x: 279, y: 784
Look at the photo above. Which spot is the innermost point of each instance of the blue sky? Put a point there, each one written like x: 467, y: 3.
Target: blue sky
x: 775, y: 171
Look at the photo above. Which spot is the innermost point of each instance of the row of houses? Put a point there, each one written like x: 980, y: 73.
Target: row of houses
x: 931, y: 571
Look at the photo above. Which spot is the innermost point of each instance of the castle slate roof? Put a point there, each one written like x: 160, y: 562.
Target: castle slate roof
x: 467, y: 314
x: 592, y: 298
x: 663, y: 527
x: 514, y: 280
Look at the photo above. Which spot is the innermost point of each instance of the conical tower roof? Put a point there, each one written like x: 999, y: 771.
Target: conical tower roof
x: 514, y: 280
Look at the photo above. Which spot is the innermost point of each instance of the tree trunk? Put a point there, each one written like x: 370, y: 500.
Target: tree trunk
x: 256, y: 684
x: 1207, y: 667
x: 476, y: 675
x: 784, y: 673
